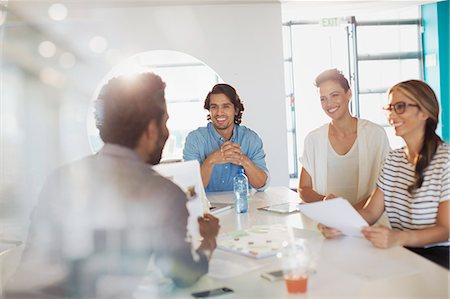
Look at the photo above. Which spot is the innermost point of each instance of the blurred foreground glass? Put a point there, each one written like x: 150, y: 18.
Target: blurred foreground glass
x: 188, y: 80
x: 299, y: 261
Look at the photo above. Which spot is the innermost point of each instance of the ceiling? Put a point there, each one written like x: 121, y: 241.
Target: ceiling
x: 28, y: 22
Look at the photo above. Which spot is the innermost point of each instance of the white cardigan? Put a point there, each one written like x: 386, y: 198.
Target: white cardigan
x: 373, y: 146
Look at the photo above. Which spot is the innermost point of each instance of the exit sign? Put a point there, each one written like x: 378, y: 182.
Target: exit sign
x: 330, y: 22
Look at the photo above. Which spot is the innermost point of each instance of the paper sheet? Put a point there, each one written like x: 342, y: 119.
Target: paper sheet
x: 6, y: 245
x: 337, y: 213
x: 187, y: 176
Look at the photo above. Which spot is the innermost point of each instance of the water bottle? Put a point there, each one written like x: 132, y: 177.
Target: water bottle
x: 240, y: 187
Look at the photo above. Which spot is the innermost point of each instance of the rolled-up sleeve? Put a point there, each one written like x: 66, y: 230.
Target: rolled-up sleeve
x: 258, y: 157
x: 191, y: 148
x: 308, y: 152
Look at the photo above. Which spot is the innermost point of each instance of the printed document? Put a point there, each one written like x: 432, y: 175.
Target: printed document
x: 187, y: 176
x: 337, y: 213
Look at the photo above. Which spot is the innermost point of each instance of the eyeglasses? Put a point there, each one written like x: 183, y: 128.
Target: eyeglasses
x: 398, y: 107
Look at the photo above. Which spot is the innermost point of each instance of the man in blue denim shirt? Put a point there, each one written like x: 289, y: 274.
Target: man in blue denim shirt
x: 223, y: 146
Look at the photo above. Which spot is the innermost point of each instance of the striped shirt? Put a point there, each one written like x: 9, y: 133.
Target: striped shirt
x: 417, y: 210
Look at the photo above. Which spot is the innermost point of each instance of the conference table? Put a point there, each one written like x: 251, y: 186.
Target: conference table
x: 9, y: 259
x: 346, y: 266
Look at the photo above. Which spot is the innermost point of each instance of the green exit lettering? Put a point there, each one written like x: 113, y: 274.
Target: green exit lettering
x: 330, y: 22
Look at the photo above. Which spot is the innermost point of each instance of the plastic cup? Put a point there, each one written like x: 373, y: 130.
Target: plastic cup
x: 296, y: 284
x: 296, y: 264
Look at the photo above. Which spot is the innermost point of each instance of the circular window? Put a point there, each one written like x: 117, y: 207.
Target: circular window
x: 188, y: 81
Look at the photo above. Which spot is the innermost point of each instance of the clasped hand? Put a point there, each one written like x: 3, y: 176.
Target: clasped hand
x: 230, y: 152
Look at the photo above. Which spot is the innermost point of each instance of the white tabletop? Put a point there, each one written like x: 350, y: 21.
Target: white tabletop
x: 347, y: 267
x: 9, y: 258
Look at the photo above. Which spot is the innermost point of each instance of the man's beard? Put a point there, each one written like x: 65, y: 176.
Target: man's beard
x: 155, y: 157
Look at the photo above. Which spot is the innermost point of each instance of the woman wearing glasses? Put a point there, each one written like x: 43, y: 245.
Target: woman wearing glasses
x: 414, y: 183
x: 342, y: 158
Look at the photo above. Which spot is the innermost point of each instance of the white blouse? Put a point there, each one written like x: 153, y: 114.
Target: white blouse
x: 342, y: 173
x: 373, y: 146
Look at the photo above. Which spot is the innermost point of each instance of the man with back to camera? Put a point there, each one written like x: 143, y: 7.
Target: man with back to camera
x: 101, y: 220
x: 223, y: 146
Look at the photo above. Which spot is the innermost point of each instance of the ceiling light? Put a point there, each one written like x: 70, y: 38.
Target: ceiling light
x: 47, y: 49
x: 113, y: 56
x: 98, y: 44
x: 2, y: 17
x: 67, y: 60
x: 51, y: 77
x: 57, y: 11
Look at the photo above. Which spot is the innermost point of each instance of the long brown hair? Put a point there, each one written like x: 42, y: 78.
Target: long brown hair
x: 424, y: 96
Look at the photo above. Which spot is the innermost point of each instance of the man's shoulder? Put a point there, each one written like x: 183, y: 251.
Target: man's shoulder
x: 247, y: 132
x: 122, y: 176
x: 94, y: 166
x: 72, y: 167
x: 199, y: 130
x: 199, y: 133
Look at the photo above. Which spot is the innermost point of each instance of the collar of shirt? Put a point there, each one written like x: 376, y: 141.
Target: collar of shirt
x: 119, y: 151
x: 219, y: 138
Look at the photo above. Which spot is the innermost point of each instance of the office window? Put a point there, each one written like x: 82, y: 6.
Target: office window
x: 387, y: 38
x: 383, y: 73
x: 374, y: 50
x: 389, y: 51
x: 188, y: 81
x: 303, y: 62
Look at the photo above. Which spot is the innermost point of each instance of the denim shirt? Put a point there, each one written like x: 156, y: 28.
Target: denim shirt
x: 206, y: 140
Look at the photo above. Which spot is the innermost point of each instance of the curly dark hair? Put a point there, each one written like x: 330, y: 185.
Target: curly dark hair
x: 231, y: 93
x: 334, y: 75
x: 125, y: 107
x: 422, y: 94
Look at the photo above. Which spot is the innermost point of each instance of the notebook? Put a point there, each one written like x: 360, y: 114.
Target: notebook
x: 260, y: 241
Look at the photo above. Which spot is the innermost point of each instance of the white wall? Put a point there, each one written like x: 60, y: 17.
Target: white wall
x: 242, y: 43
